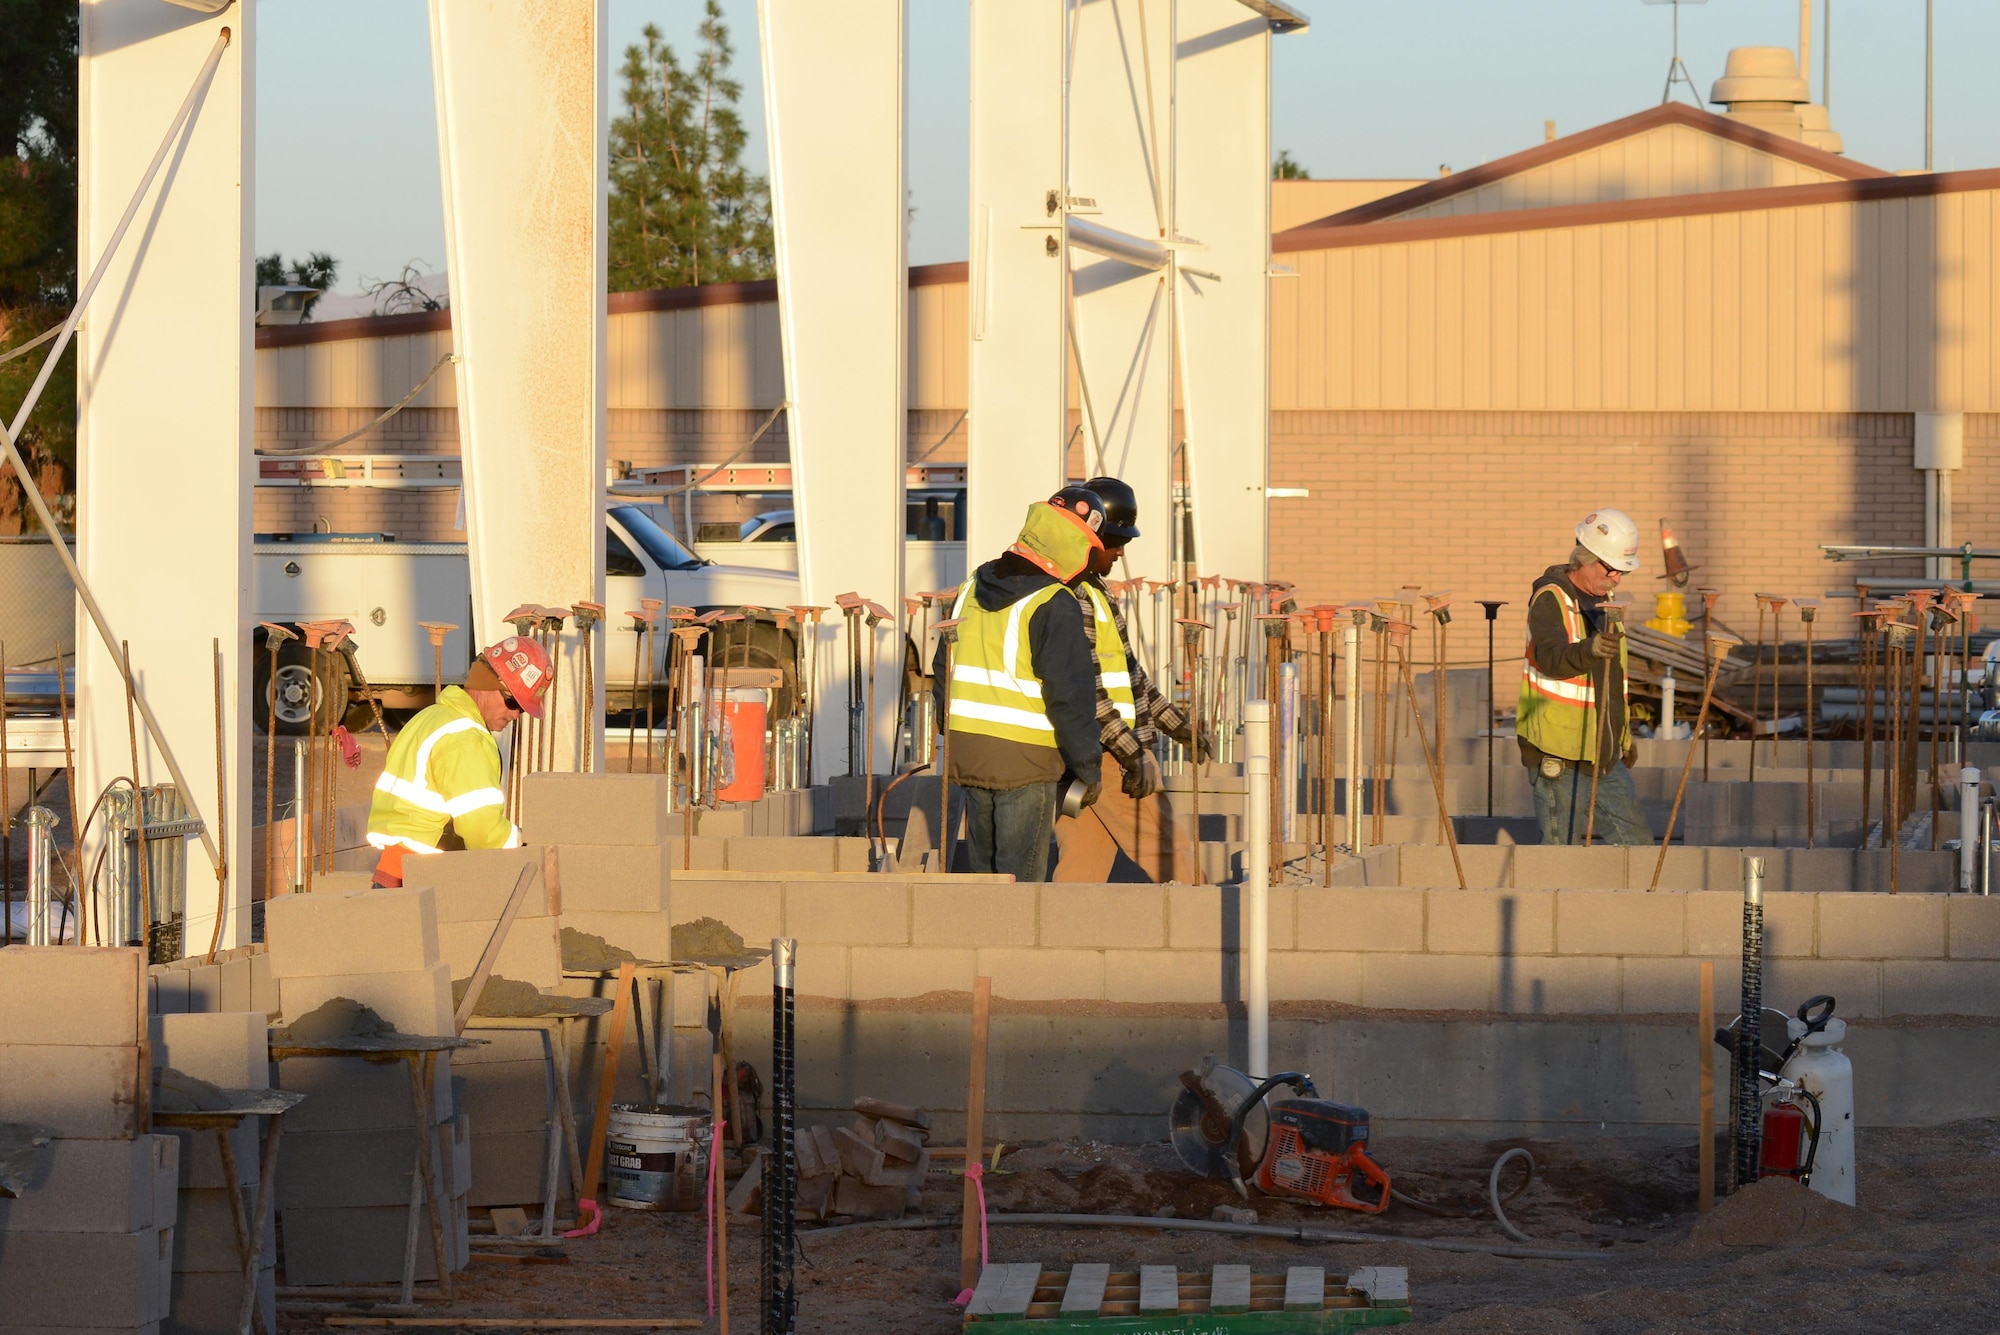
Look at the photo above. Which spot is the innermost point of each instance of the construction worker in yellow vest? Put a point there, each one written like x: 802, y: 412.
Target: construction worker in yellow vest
x: 440, y: 788
x: 1022, y: 694
x: 1571, y: 720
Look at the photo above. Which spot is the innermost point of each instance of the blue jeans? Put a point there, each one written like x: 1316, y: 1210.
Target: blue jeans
x: 1008, y: 830
x: 1562, y: 807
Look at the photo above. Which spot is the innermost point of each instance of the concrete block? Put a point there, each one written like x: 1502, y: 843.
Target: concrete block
x: 1870, y: 926
x: 1197, y: 976
x: 1662, y: 986
x: 1370, y: 919
x: 86, y: 1093
x: 1973, y: 927
x: 235, y: 985
x: 349, y: 1094
x: 511, y: 1169
x: 328, y: 1169
x: 263, y: 986
x: 77, y: 997
x: 502, y: 1097
x: 1568, y: 867
x: 1427, y: 982
x: 753, y: 908
x: 352, y: 1246
x: 821, y: 971
x: 558, y: 808
x: 532, y: 952
x: 751, y: 853
x: 909, y: 971
x: 647, y: 935
x: 416, y: 1002
x: 1092, y: 916
x: 1858, y: 985
x: 1715, y: 923
x: 850, y: 854
x: 1684, y: 869
x: 702, y: 853
x: 861, y: 913
x: 205, y: 988
x: 472, y: 885
x: 1935, y: 987
x: 1214, y: 917
x: 200, y: 1161
x: 948, y: 914
x: 1490, y: 922
x: 205, y: 1236
x: 1316, y: 975
x: 228, y: 1048
x: 1810, y: 869
x: 619, y: 878
x: 721, y: 823
x: 371, y: 931
x: 95, y: 1186
x: 98, y: 1280
x: 1551, y: 985
x: 1044, y: 974
x: 207, y: 1304
x: 1621, y: 922
x: 496, y: 1046
x: 168, y: 990
x: 1486, y: 865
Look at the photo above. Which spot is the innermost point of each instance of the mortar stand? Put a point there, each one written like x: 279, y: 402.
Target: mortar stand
x: 1916, y: 674
x: 1378, y: 625
x: 1710, y: 596
x: 1899, y: 638
x: 1399, y: 639
x: 1756, y: 685
x: 552, y: 626
x: 276, y: 636
x: 874, y: 614
x: 1277, y: 639
x: 587, y: 616
x: 1808, y: 613
x: 437, y: 630
x: 1439, y: 605
x: 1868, y: 630
x: 1942, y: 619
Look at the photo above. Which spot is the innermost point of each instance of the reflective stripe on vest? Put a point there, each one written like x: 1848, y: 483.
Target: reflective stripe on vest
x: 1114, y: 674
x: 994, y: 689
x: 410, y: 810
x: 1553, y: 713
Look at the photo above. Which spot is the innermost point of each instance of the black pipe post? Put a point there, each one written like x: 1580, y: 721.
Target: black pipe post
x: 780, y: 1167
x: 1750, y: 1030
x: 1492, y: 607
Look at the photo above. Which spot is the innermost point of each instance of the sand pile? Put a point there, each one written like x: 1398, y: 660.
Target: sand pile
x: 1775, y: 1212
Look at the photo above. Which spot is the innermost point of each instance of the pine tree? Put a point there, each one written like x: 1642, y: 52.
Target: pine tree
x: 683, y: 209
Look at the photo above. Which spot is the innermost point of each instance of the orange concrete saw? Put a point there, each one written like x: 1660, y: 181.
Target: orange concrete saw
x: 1305, y: 1148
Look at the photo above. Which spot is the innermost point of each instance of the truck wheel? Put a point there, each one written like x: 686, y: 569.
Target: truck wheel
x: 293, y: 701
x: 771, y: 647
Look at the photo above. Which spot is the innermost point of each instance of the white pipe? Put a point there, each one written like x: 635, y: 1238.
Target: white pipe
x: 299, y: 821
x: 1257, y: 881
x: 41, y: 874
x: 1667, y: 685
x: 1350, y: 722
x: 1968, y: 826
x: 1117, y: 245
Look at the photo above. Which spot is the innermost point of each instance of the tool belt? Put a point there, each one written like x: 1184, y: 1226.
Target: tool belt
x: 1554, y: 767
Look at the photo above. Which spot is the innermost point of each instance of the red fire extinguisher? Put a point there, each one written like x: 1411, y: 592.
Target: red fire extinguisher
x: 1791, y: 1139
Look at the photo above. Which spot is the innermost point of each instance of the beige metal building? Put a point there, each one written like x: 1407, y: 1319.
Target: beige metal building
x: 1677, y: 313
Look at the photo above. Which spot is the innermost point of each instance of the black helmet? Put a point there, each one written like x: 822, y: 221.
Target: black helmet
x: 1084, y: 503
x: 1121, y: 508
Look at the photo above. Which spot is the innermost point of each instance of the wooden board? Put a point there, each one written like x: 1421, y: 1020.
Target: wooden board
x: 1093, y: 1299
x: 1085, y: 1293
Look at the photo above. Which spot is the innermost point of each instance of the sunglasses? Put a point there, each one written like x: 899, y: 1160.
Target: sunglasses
x: 1611, y: 570
x: 511, y: 704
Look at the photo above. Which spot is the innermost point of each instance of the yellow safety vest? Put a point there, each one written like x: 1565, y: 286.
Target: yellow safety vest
x: 994, y: 689
x: 1114, y: 673
x: 443, y: 769
x: 1558, y: 715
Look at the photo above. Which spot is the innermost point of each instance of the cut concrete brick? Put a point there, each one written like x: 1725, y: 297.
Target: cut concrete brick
x: 86, y: 1093
x: 511, y: 1169
x: 559, y: 808
x: 473, y: 885
x: 1934, y: 987
x: 869, y: 912
x: 372, y: 931
x: 1974, y: 927
x: 351, y: 1246
x: 228, y: 1048
x: 880, y: 972
x: 1210, y: 917
x: 1370, y: 919
x: 531, y: 953
x: 1494, y: 922
x: 78, y: 997
x: 649, y: 936
x: 96, y: 1186
x: 416, y: 1002
x: 1870, y: 926
x: 1427, y: 982
x: 1549, y: 985
x: 98, y: 1280
x: 618, y: 878
x: 1621, y: 922
x: 1194, y: 976
x: 946, y: 913
x: 1565, y: 867
x: 1043, y: 974
x: 753, y: 908
x: 1316, y: 975
x: 207, y: 1304
x: 1095, y: 916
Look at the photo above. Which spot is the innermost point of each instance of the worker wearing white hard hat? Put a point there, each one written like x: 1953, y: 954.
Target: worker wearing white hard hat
x: 1572, y: 723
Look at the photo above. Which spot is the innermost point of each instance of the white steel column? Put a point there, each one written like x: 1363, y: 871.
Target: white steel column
x: 833, y: 115
x: 521, y: 107
x: 1017, y: 417
x: 1121, y: 158
x: 1222, y: 186
x: 164, y: 425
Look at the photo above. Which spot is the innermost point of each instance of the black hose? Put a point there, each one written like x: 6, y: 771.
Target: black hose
x: 1445, y: 1212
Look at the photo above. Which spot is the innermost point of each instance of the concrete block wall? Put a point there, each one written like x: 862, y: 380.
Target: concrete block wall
x: 89, y: 1241
x: 379, y: 948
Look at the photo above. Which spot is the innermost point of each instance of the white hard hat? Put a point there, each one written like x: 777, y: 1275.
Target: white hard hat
x: 1612, y: 537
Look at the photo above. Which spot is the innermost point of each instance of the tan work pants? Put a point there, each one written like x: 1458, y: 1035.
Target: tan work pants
x: 1144, y: 829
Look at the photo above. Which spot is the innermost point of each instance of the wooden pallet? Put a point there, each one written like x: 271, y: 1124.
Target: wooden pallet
x: 1160, y: 1300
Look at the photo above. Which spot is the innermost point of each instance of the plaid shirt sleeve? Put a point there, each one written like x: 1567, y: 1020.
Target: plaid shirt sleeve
x: 1114, y: 734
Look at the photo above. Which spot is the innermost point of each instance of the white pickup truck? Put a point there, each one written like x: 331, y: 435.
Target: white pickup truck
x: 386, y: 589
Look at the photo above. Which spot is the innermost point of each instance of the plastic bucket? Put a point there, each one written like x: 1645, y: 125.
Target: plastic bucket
x: 656, y: 1158
x: 746, y: 707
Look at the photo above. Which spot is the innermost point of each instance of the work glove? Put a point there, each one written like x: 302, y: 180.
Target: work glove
x: 1631, y: 756
x: 1143, y: 780
x: 1091, y: 793
x: 1604, y: 644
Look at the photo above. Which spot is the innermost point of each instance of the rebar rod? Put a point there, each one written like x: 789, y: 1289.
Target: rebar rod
x: 69, y: 782
x: 1868, y: 656
x: 1687, y: 764
x: 1756, y: 692
x: 1811, y: 809
x: 221, y: 805
x: 139, y: 806
x: 1436, y: 768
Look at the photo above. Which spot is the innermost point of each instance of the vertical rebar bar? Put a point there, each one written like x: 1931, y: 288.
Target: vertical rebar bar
x: 780, y: 1302
x: 221, y: 807
x: 1749, y: 1052
x: 1867, y: 633
x: 1713, y: 661
x: 1777, y: 655
x: 1756, y: 692
x: 1807, y: 614
x: 139, y: 804
x: 1350, y: 642
x: 1380, y: 625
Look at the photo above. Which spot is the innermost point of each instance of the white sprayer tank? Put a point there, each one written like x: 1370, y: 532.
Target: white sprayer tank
x: 1822, y: 1068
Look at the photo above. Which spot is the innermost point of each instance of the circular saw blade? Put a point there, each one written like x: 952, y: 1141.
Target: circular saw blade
x: 1199, y: 1127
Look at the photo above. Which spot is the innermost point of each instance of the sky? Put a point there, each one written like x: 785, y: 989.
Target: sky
x: 347, y: 134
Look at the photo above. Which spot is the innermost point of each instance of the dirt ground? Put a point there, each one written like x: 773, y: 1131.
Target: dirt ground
x: 1920, y: 1254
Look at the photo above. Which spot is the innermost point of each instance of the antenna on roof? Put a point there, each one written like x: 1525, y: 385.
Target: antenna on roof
x: 1677, y: 70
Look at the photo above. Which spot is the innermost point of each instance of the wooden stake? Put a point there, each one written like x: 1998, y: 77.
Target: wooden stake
x: 607, y: 1084
x: 491, y: 954
x: 1704, y: 1025
x: 975, y: 1133
x: 720, y: 1204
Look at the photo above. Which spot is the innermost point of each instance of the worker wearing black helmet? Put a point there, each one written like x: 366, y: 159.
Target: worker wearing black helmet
x: 1131, y: 713
x: 1020, y: 707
